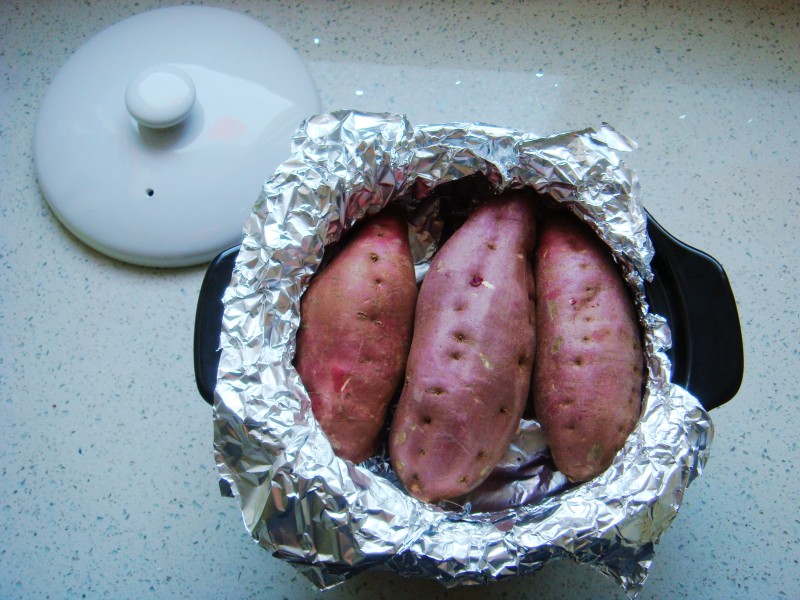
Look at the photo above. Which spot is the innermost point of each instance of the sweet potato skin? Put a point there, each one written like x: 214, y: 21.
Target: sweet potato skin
x: 470, y: 362
x: 356, y: 319
x: 588, y: 371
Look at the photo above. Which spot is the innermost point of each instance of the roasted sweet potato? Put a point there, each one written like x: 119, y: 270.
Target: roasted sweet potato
x: 469, y: 368
x: 356, y: 319
x: 588, y: 372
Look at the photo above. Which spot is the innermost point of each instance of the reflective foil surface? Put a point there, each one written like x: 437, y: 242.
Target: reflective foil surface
x: 332, y: 519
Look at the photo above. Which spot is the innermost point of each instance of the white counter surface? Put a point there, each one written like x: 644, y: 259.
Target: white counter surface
x: 109, y: 487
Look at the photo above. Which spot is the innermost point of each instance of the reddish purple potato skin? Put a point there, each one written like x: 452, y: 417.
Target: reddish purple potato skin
x: 588, y: 371
x: 469, y: 368
x: 356, y: 320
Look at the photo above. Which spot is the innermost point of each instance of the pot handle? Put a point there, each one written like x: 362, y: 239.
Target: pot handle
x: 208, y: 322
x: 690, y: 289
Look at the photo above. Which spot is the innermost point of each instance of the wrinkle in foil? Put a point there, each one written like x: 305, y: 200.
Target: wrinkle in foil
x: 332, y: 519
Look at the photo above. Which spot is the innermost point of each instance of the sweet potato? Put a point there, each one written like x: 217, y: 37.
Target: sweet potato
x: 588, y: 372
x: 356, y: 319
x: 469, y: 367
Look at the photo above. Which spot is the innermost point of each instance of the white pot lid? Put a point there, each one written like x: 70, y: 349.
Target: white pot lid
x: 154, y: 139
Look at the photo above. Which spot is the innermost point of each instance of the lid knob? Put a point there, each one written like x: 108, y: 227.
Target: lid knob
x: 160, y: 96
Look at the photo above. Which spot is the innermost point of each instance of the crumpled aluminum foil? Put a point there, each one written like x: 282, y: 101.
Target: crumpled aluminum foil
x: 332, y: 519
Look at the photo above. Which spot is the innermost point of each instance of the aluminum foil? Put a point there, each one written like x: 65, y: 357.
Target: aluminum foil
x: 332, y: 519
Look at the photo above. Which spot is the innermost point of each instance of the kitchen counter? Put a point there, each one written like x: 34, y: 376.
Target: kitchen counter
x: 109, y: 487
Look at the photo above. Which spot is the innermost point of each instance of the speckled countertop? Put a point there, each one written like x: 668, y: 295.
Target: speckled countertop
x: 108, y: 484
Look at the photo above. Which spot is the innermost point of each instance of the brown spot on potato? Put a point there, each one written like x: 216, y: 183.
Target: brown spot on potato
x: 595, y: 452
x: 415, y: 477
x: 422, y: 452
x: 455, y: 355
x: 491, y: 246
x: 522, y: 360
x: 481, y: 454
x: 378, y: 281
x: 434, y: 391
x: 460, y: 337
x: 578, y: 361
x: 363, y: 315
x: 463, y: 480
x: 505, y: 411
x: 427, y: 420
x: 373, y: 257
